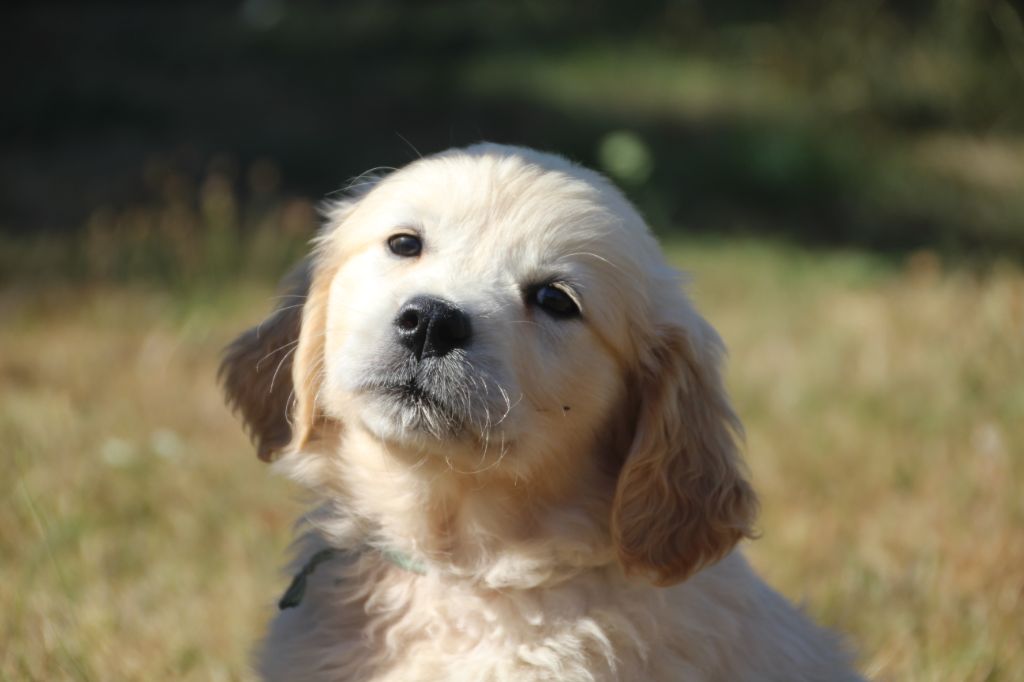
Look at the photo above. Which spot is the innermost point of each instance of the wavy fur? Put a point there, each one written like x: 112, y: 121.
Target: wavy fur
x: 577, y: 519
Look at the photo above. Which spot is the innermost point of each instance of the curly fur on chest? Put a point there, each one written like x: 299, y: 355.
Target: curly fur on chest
x: 363, y: 618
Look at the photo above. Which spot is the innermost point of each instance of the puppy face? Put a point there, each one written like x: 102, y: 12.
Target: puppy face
x: 479, y: 310
x: 501, y: 310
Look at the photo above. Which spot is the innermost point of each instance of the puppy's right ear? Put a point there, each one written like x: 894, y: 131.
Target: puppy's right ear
x: 256, y: 370
x: 271, y: 373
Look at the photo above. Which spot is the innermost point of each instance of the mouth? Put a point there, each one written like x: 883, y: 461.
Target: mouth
x: 414, y: 408
x: 412, y: 393
x: 445, y: 399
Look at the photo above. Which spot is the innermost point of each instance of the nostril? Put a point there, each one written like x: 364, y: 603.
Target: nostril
x: 409, y: 319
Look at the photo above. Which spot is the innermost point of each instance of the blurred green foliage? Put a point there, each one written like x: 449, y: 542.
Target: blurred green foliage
x: 881, y: 124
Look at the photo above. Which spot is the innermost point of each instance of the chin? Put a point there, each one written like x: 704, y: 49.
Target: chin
x: 413, y: 421
x: 513, y: 421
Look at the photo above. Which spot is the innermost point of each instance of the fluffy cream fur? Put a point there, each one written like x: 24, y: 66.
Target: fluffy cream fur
x: 572, y: 488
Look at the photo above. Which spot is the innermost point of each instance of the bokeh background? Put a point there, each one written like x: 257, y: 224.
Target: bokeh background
x: 844, y: 180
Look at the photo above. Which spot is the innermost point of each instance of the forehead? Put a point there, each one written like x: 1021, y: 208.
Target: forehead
x: 524, y: 213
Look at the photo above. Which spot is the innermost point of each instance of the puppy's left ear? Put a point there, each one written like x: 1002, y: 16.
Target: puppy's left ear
x: 682, y: 500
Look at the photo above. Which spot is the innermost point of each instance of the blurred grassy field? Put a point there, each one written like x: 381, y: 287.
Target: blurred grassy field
x: 884, y: 403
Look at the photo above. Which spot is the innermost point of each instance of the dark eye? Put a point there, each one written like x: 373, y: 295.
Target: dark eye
x: 555, y: 301
x: 405, y: 245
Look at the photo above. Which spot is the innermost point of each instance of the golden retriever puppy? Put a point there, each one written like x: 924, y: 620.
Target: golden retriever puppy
x: 514, y: 424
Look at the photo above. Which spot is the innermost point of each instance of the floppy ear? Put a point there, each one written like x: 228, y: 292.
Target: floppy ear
x: 271, y: 373
x: 682, y: 501
x: 256, y: 370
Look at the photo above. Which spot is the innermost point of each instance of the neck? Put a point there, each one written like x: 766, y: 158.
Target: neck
x: 488, y: 527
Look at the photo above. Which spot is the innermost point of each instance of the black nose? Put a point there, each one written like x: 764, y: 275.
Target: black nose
x: 431, y: 327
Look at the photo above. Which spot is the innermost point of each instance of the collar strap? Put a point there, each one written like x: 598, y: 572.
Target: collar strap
x: 292, y: 597
x: 404, y: 561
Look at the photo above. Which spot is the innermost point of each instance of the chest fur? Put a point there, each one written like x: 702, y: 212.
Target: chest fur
x: 383, y: 623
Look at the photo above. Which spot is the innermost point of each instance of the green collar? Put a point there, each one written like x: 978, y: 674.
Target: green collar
x: 404, y: 561
x: 297, y: 589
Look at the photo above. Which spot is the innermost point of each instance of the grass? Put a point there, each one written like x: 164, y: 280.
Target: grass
x: 884, y: 406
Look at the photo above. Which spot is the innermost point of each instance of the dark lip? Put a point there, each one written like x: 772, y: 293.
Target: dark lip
x: 410, y: 391
x: 414, y: 391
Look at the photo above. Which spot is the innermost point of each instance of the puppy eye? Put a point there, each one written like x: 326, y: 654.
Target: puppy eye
x: 405, y: 245
x: 555, y: 301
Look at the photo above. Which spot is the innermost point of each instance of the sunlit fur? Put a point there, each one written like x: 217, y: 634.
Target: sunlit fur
x: 574, y: 492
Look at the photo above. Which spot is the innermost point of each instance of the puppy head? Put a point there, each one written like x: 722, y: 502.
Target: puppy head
x: 449, y: 313
x: 500, y: 310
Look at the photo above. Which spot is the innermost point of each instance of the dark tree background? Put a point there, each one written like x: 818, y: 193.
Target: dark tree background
x: 882, y: 124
